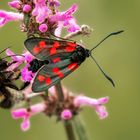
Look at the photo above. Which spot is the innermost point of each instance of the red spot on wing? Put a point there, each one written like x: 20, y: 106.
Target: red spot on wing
x: 41, y: 78
x: 55, y: 60
x: 36, y: 50
x: 48, y: 81
x: 58, y: 72
x: 56, y: 44
x: 70, y: 49
x: 73, y: 66
x: 61, y: 75
x: 71, y: 44
x: 42, y: 44
x: 52, y: 51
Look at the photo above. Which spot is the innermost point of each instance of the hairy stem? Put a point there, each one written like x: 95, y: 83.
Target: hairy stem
x: 69, y: 130
x: 59, y: 91
x: 85, y: 30
x: 67, y: 124
x: 80, y: 128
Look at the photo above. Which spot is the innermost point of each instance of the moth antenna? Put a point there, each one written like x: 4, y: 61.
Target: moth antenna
x: 114, y: 33
x: 108, y: 78
x: 12, y: 55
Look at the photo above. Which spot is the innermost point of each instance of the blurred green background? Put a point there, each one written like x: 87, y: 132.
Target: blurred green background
x: 119, y: 56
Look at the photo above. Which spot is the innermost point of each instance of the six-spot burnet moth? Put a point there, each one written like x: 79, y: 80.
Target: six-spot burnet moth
x: 55, y: 59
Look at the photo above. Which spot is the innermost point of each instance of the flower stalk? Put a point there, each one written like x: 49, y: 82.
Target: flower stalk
x: 42, y: 18
x: 69, y: 130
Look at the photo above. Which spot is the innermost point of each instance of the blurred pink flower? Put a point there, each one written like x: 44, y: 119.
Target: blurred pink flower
x: 66, y: 114
x: 27, y: 75
x: 40, y: 11
x: 66, y: 19
x: 26, y: 57
x: 97, y: 104
x: 26, y: 8
x: 14, y: 4
x: 9, y: 16
x: 43, y: 28
x: 26, y: 114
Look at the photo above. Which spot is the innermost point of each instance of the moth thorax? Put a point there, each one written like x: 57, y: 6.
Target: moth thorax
x: 80, y: 54
x: 36, y: 64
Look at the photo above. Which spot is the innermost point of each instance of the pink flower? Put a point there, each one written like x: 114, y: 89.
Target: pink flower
x: 18, y: 60
x: 26, y: 114
x: 14, y: 57
x: 94, y: 103
x: 40, y: 11
x: 9, y: 16
x: 58, y: 30
x: 27, y: 75
x: 43, y: 28
x: 66, y: 19
x: 66, y: 114
x: 14, y: 4
x: 26, y: 8
x: 26, y: 57
x: 72, y: 25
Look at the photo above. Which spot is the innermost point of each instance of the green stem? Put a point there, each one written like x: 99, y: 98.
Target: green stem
x: 59, y: 92
x: 80, y: 128
x: 67, y: 125
x: 69, y: 130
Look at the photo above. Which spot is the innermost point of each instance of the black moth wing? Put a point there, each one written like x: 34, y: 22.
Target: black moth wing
x: 43, y: 48
x: 50, y: 74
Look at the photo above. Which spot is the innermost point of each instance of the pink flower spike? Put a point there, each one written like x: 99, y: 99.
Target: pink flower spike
x: 9, y: 16
x: 28, y: 57
x: 25, y: 125
x: 14, y: 4
x: 97, y: 104
x: 40, y: 11
x: 58, y: 30
x: 73, y: 26
x: 72, y: 9
x: 64, y: 16
x: 26, y: 8
x: 15, y: 58
x: 101, y: 111
x: 18, y: 60
x: 66, y: 19
x: 27, y: 75
x: 66, y: 114
x: 19, y: 113
x: 43, y: 28
x: 27, y: 114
